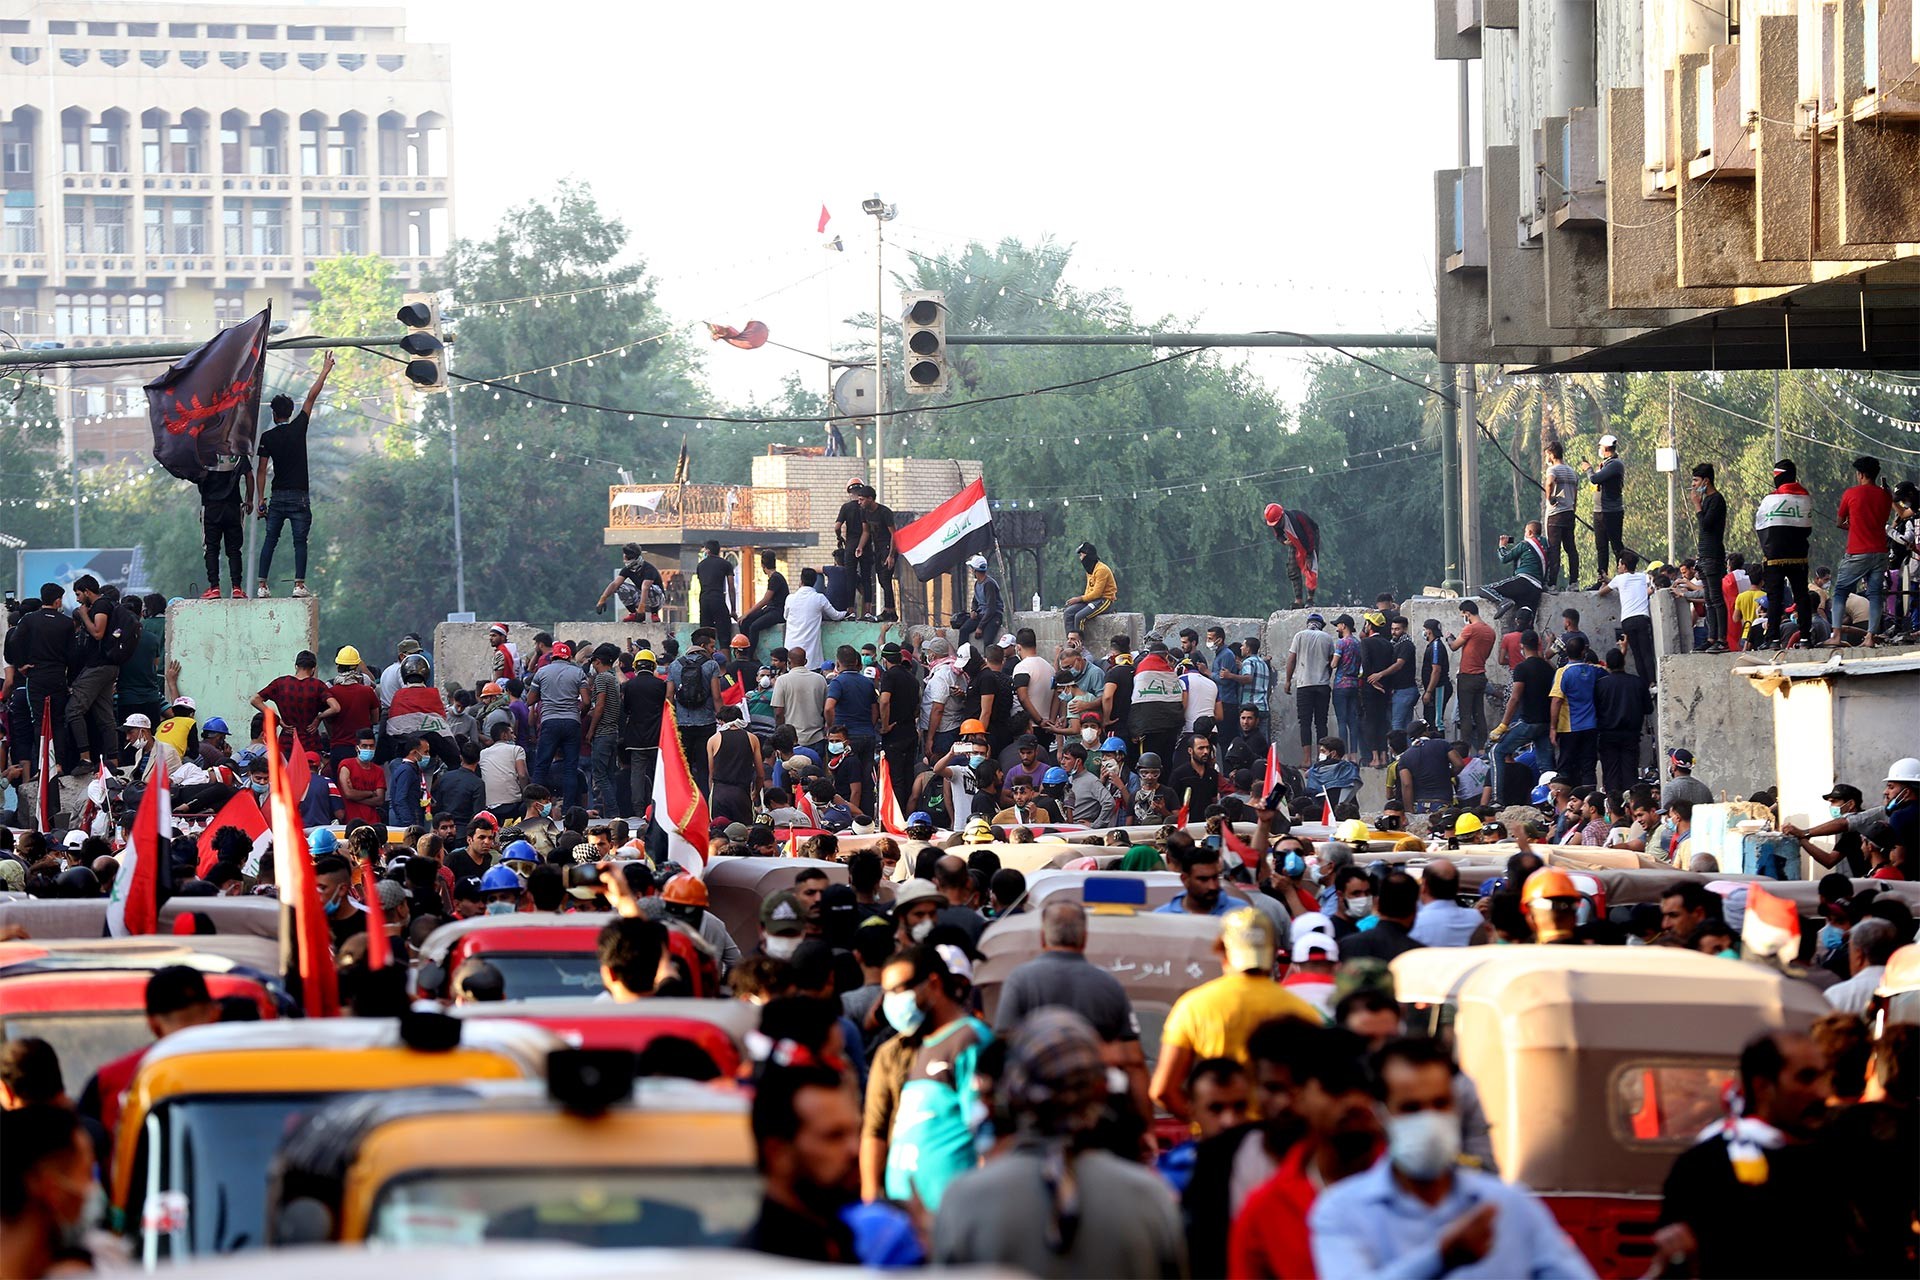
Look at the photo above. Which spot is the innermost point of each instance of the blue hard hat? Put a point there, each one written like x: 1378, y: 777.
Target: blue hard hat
x: 520, y: 851
x: 323, y: 842
x: 215, y: 725
x: 1492, y: 885
x: 1054, y: 777
x: 500, y: 879
x: 1113, y: 744
x: 919, y: 818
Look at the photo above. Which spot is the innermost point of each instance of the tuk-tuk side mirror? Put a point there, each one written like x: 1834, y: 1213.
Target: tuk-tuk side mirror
x: 586, y: 1082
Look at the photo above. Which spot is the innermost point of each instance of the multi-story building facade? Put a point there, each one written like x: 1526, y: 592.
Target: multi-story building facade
x: 169, y: 169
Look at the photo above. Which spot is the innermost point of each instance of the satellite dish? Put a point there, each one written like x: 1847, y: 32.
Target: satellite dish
x: 853, y: 393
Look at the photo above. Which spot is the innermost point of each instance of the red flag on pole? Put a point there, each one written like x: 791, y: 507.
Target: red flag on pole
x: 1180, y: 818
x: 1326, y: 808
x: 1247, y: 854
x: 311, y: 944
x: 735, y: 694
x: 47, y: 767
x: 825, y: 218
x: 379, y: 948
x: 134, y: 906
x: 299, y: 772
x: 678, y: 806
x: 804, y: 803
x: 891, y: 819
x: 243, y: 814
x: 1273, y: 772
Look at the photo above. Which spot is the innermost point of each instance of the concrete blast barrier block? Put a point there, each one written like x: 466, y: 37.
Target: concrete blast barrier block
x: 1050, y: 629
x: 1169, y: 625
x: 462, y: 656
x: 1720, y: 716
x: 229, y: 650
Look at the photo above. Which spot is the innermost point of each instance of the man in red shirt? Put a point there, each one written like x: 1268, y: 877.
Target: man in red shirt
x: 300, y: 698
x: 363, y: 784
x: 177, y: 997
x: 1270, y: 1236
x: 353, y: 703
x: 1473, y: 644
x: 1864, y: 509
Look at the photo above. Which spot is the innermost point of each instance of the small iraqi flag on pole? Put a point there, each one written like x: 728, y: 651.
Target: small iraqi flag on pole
x: 940, y: 541
x: 134, y: 906
x: 243, y: 814
x: 1772, y: 926
x: 48, y: 768
x: 891, y: 820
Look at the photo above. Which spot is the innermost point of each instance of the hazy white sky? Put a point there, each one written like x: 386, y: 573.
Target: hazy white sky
x: 1238, y: 166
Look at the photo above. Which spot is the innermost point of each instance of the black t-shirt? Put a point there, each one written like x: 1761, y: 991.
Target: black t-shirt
x: 44, y: 638
x: 1535, y: 675
x: 100, y: 608
x: 636, y: 572
x: 1404, y: 655
x: 852, y: 516
x: 902, y: 682
x: 776, y: 589
x: 1120, y: 678
x: 879, y: 522
x: 286, y: 447
x: 1711, y: 520
x: 462, y: 865
x: 713, y: 572
x: 219, y: 488
x: 989, y: 681
x: 641, y: 700
x: 1426, y: 763
x: 1376, y: 654
x: 1192, y: 788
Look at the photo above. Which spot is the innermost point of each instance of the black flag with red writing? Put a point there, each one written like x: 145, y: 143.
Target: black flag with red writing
x: 208, y: 405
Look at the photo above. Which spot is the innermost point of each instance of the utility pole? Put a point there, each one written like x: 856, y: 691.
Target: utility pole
x: 1673, y: 473
x: 1778, y: 452
x: 883, y: 213
x: 1449, y: 500
x: 453, y: 453
x: 1470, y: 565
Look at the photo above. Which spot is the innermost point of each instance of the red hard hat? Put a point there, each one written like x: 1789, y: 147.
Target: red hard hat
x: 689, y: 890
x: 1274, y: 513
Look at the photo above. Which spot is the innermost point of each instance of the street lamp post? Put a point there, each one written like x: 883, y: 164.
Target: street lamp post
x: 883, y: 213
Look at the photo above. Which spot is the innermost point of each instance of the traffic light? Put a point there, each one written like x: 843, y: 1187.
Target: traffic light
x: 923, y: 336
x: 426, y: 366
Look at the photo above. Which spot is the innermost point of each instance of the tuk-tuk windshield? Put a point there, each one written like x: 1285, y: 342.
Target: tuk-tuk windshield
x: 85, y: 1041
x: 1668, y: 1103
x: 528, y: 975
x: 220, y: 1148
x: 603, y: 1209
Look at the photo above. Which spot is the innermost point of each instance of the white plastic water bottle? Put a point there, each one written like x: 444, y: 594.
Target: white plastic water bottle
x: 1036, y: 602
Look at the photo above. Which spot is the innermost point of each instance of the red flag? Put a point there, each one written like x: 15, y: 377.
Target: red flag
x: 891, y: 820
x: 825, y: 217
x: 1247, y: 854
x: 242, y: 813
x: 379, y: 949
x: 1180, y: 818
x: 753, y: 336
x: 678, y: 806
x: 134, y: 906
x: 804, y: 803
x: 1274, y: 774
x: 311, y: 944
x: 1772, y: 925
x: 299, y: 772
x: 1326, y: 809
x: 735, y: 694
x: 47, y: 767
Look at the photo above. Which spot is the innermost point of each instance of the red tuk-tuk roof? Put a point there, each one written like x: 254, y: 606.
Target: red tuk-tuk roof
x: 548, y: 939
x: 110, y: 991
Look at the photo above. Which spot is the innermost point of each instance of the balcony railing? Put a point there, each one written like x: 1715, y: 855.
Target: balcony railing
x: 742, y: 508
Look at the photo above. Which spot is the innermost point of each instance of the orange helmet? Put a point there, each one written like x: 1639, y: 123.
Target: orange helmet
x: 970, y: 727
x: 687, y: 889
x: 1548, y: 882
x: 1274, y: 513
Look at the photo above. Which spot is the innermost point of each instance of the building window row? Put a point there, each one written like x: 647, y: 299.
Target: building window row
x: 181, y: 146
x: 108, y: 314
x: 187, y: 30
x: 27, y: 55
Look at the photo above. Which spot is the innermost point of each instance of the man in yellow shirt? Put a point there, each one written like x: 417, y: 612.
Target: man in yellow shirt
x: 1747, y: 606
x: 1215, y: 1019
x: 1097, y: 596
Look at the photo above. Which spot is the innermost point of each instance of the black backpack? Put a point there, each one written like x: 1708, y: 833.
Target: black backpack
x: 690, y: 689
x: 121, y: 639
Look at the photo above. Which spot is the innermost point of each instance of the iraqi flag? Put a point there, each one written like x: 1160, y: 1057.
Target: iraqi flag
x: 1248, y: 855
x: 243, y: 814
x: 207, y: 406
x: 679, y: 811
x: 1772, y: 925
x: 134, y: 906
x: 891, y: 819
x: 306, y: 944
x: 48, y: 769
x: 940, y: 541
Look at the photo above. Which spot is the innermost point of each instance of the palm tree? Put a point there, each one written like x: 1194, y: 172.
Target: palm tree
x: 1529, y: 412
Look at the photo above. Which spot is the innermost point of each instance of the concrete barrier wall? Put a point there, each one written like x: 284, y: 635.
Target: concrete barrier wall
x: 461, y: 654
x: 1169, y: 626
x: 229, y: 650
x: 1719, y: 716
x: 1050, y: 628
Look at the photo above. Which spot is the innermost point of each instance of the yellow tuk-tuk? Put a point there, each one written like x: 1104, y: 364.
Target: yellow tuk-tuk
x: 210, y: 1104
x: 670, y: 1165
x: 1598, y: 1065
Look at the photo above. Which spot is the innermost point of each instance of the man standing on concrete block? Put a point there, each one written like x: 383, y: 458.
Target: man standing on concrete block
x: 1784, y: 522
x: 226, y: 492
x: 1299, y: 539
x: 105, y: 644
x: 1710, y: 522
x: 1563, y: 486
x: 1310, y: 680
x: 877, y: 559
x: 286, y: 447
x: 715, y: 573
x: 1636, y: 615
x: 1609, y: 509
x: 1473, y: 644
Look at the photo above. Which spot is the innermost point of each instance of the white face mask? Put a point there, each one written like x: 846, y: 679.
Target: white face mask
x: 782, y: 948
x: 1424, y: 1144
x: 1360, y: 907
x: 1089, y: 736
x: 920, y: 931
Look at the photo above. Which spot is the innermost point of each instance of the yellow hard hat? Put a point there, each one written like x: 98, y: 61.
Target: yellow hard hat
x: 1466, y: 824
x: 347, y: 657
x: 1352, y: 831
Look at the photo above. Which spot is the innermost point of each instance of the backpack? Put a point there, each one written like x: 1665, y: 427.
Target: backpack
x: 690, y: 688
x: 121, y: 639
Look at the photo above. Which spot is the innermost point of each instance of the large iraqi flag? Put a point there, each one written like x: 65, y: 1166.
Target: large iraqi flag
x: 679, y: 810
x: 940, y: 541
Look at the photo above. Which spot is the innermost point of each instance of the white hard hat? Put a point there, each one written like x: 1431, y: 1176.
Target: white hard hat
x: 1906, y: 769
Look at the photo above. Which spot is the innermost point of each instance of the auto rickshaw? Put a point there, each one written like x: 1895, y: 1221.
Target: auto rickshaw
x: 719, y: 1027
x: 737, y: 886
x: 88, y: 998
x: 666, y: 1163
x: 1598, y: 1065
x: 538, y: 953
x: 210, y: 1104
x: 45, y: 918
x: 1160, y: 886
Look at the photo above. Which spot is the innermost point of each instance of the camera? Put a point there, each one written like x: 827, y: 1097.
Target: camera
x: 584, y: 876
